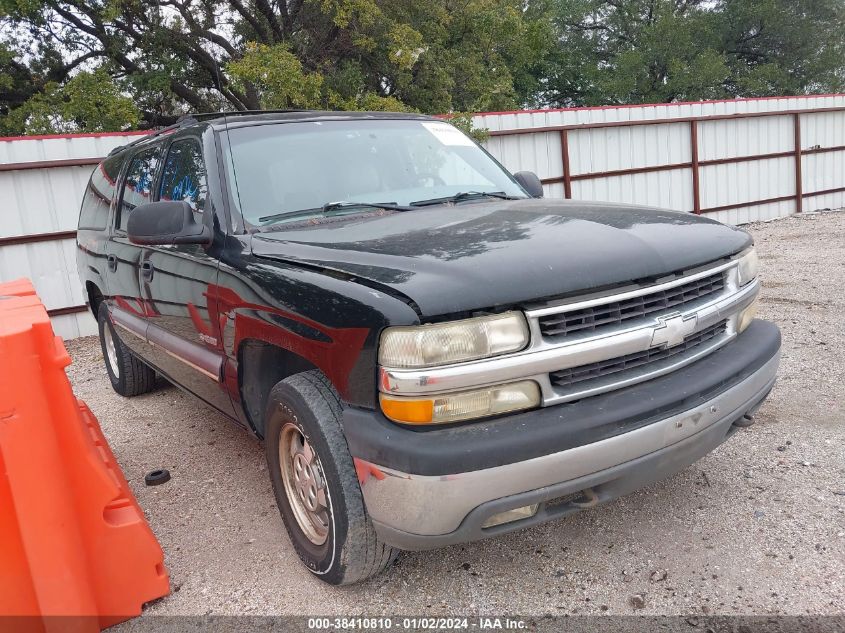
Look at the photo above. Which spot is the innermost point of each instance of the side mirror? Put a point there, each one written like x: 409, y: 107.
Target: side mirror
x: 166, y: 222
x: 530, y: 182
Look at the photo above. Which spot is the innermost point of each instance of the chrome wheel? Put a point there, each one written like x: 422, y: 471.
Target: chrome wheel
x: 305, y: 486
x: 111, y: 350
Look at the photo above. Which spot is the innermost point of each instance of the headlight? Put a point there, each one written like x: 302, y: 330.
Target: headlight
x: 462, y: 405
x: 452, y: 342
x: 748, y: 266
x: 747, y: 315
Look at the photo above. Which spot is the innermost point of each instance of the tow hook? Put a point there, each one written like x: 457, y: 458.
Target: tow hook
x: 588, y: 499
x: 746, y: 420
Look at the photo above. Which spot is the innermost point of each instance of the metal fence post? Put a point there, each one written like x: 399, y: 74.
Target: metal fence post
x: 696, y: 185
x: 799, y: 185
x: 567, y: 175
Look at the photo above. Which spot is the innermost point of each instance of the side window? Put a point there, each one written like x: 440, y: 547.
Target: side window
x: 99, y: 195
x: 137, y: 188
x: 183, y: 177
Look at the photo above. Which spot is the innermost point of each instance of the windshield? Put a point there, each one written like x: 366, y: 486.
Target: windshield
x: 288, y: 167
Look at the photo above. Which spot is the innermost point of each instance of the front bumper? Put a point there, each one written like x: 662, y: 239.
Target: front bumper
x: 422, y: 510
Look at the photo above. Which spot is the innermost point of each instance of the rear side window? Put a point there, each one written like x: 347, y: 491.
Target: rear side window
x: 99, y: 195
x: 183, y: 177
x: 138, y: 185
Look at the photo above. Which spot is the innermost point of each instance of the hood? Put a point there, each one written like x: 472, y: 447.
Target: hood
x: 478, y: 255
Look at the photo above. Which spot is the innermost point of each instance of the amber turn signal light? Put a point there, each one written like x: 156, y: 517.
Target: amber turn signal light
x: 408, y: 411
x: 461, y: 405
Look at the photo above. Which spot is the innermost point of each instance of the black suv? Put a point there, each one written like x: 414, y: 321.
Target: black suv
x: 431, y: 352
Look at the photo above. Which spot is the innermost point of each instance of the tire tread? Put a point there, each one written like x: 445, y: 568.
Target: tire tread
x: 362, y: 555
x: 135, y: 377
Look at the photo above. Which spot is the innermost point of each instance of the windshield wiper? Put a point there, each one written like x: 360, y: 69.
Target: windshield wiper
x: 334, y: 206
x: 464, y: 195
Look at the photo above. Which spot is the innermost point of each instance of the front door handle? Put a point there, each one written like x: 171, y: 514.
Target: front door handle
x: 147, y: 271
x: 111, y: 261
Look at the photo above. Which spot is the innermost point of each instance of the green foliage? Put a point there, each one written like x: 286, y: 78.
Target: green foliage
x: 277, y: 76
x: 782, y: 47
x: 97, y: 64
x: 281, y: 83
x: 89, y: 102
x: 652, y: 51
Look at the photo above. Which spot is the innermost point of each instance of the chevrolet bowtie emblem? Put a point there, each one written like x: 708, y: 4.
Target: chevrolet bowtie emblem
x: 673, y: 330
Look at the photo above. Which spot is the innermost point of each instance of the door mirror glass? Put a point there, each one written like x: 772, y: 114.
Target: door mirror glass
x: 530, y: 182
x: 164, y: 223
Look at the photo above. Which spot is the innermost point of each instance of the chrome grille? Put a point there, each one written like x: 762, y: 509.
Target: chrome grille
x: 571, y: 376
x: 616, y: 312
x: 600, y: 356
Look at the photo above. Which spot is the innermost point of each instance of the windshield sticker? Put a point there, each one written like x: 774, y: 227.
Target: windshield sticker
x: 447, y: 134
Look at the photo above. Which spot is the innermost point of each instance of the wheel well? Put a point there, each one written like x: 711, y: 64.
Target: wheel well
x: 95, y: 297
x: 261, y: 366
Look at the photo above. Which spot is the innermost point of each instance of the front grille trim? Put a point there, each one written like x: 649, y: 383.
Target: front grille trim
x: 637, y: 362
x: 612, y: 382
x: 619, y: 312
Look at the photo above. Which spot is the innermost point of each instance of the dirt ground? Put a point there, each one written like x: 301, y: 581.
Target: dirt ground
x: 757, y: 527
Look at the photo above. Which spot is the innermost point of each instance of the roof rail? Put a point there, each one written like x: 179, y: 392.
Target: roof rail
x: 165, y: 130
x: 188, y: 119
x: 210, y: 116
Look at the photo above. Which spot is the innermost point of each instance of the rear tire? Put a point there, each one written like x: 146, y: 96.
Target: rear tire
x: 315, y: 483
x: 128, y: 375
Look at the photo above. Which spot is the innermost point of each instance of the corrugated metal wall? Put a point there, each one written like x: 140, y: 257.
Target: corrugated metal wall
x: 716, y: 157
x: 744, y: 154
x: 42, y: 180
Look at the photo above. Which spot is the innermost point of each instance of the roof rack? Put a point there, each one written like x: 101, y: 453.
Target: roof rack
x: 210, y: 116
x: 164, y: 130
x: 188, y: 119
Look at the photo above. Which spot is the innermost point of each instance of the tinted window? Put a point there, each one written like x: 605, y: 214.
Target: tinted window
x: 183, y: 177
x: 99, y: 195
x: 137, y: 188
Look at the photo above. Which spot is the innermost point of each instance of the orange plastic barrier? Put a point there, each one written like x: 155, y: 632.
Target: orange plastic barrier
x: 76, y: 553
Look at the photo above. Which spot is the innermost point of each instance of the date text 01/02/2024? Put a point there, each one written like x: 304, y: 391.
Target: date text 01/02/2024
x: 416, y: 623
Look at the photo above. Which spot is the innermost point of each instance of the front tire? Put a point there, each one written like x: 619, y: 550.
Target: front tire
x: 128, y: 375
x: 315, y: 483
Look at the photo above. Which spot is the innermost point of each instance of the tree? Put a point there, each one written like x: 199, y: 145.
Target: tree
x: 171, y: 57
x: 175, y: 56
x: 784, y: 47
x: 647, y: 51
x: 89, y: 102
x: 279, y: 81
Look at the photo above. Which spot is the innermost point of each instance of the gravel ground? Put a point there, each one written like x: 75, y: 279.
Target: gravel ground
x: 757, y: 527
